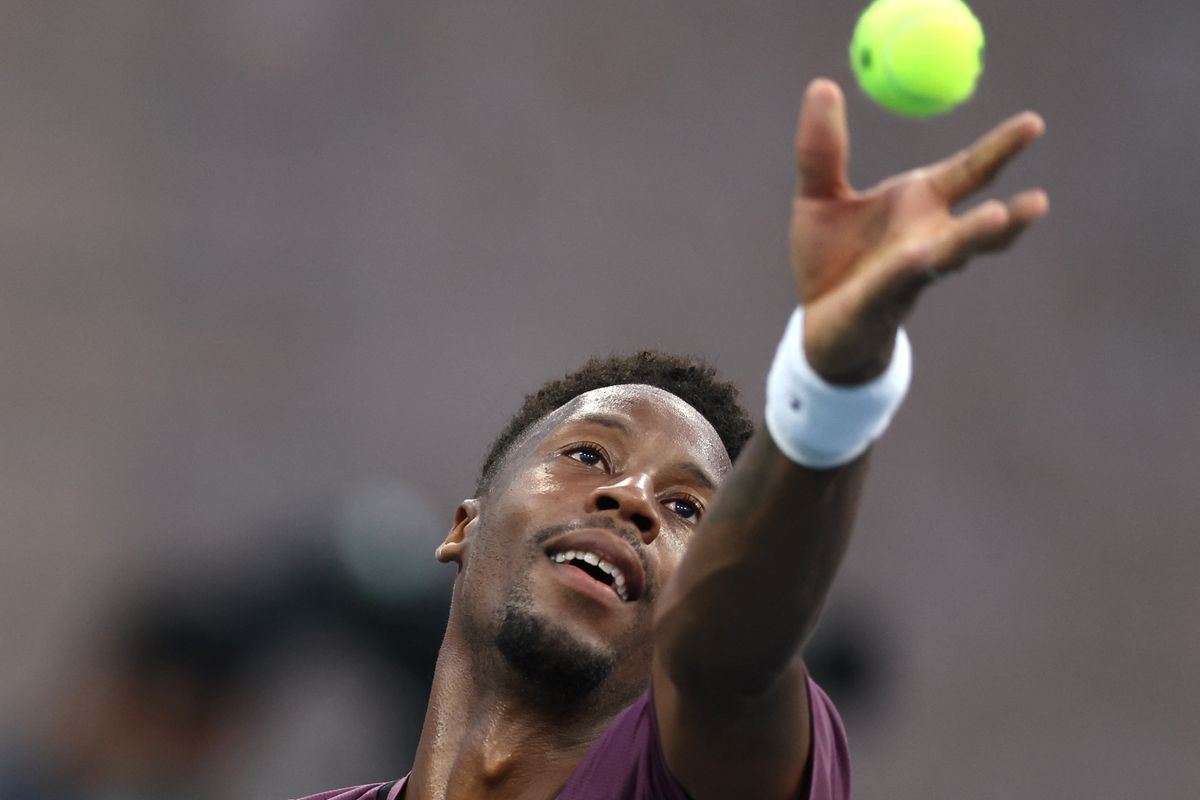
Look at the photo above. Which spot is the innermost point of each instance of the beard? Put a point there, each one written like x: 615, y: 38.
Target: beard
x: 554, y: 666
x: 559, y: 666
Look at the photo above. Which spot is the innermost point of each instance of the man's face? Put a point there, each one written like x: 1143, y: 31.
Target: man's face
x: 587, y: 519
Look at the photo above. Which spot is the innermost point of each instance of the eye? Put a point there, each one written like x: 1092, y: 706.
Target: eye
x: 587, y: 453
x: 686, y: 508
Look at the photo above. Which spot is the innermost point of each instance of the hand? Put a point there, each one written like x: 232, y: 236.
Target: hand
x: 861, y: 259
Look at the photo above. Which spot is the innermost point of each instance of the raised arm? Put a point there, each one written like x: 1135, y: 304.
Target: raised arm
x: 729, y: 682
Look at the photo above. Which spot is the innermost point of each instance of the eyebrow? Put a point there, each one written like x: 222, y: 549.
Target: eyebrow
x: 691, y: 469
x: 696, y: 472
x: 608, y: 421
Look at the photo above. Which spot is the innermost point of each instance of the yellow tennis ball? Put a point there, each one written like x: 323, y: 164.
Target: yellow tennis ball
x: 917, y: 57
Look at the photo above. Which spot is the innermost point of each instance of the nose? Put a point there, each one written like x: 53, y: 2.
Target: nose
x: 633, y: 500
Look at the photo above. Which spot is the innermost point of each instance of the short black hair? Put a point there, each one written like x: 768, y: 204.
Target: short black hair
x: 687, y: 377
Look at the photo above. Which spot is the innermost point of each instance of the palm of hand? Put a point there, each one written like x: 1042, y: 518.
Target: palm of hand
x: 861, y: 259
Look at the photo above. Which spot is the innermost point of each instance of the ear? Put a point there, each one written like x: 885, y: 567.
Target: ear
x: 455, y: 545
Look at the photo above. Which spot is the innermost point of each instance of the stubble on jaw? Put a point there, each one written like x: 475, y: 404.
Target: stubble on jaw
x: 551, y: 664
x: 556, y: 669
x: 556, y: 664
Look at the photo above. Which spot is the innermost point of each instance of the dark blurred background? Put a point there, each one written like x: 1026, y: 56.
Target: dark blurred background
x: 273, y: 272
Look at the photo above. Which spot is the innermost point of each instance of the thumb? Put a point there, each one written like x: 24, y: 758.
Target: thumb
x: 891, y: 286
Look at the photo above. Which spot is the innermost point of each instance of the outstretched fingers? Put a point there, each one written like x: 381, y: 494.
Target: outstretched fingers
x: 990, y: 226
x: 1023, y: 209
x: 973, y: 168
x: 822, y: 142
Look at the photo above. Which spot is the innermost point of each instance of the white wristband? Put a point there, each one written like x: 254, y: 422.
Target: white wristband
x: 818, y: 424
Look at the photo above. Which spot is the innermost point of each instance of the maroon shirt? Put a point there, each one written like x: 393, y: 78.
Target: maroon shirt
x: 627, y: 761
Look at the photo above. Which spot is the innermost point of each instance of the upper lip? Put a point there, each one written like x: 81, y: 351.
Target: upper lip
x: 612, y: 548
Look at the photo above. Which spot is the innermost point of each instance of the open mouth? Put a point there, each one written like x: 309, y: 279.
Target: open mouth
x: 596, y: 567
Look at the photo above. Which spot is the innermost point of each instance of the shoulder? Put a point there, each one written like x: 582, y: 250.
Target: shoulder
x: 829, y: 760
x: 371, y: 791
x: 628, y: 761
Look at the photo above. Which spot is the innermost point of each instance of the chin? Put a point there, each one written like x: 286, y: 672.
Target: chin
x: 550, y: 656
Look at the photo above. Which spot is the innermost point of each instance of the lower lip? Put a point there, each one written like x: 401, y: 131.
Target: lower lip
x: 582, y: 582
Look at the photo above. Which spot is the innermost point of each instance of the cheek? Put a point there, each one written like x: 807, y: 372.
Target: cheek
x: 672, y: 548
x: 522, y: 496
x: 500, y: 542
x: 540, y: 481
x: 506, y: 524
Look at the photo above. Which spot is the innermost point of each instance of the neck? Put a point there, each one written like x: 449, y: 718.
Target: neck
x: 487, y: 735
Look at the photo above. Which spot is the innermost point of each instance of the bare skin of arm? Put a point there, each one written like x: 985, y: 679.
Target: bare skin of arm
x: 729, y: 683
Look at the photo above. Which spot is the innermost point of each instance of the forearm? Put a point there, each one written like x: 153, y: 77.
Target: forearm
x: 754, y: 580
x: 730, y: 625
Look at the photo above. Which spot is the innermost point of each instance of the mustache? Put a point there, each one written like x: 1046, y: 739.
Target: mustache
x: 626, y: 532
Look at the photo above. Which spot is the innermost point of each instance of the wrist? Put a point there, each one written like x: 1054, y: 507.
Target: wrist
x: 815, y: 419
x: 848, y: 357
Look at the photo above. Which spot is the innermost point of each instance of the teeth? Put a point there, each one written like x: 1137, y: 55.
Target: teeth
x: 618, y: 583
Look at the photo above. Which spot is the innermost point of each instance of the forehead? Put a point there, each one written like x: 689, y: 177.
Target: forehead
x: 646, y: 412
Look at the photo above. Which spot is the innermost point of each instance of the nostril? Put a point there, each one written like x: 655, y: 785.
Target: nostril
x: 606, y: 503
x: 643, y: 523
